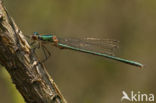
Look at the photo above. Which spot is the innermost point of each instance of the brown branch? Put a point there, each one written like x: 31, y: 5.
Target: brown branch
x: 27, y: 73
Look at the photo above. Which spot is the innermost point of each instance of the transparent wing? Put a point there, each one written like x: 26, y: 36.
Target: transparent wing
x: 106, y: 46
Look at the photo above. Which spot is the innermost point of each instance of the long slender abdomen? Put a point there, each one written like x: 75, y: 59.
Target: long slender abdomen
x: 104, y: 55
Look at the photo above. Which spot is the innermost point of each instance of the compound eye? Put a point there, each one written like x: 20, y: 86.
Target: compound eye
x: 36, y: 33
x: 34, y: 37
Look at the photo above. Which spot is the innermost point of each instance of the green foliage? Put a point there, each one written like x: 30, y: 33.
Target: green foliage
x: 14, y: 96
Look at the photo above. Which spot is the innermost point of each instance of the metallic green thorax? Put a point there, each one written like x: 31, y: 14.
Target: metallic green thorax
x: 50, y: 38
x: 46, y: 37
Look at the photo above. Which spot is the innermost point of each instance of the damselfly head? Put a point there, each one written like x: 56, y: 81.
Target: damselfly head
x: 35, y: 36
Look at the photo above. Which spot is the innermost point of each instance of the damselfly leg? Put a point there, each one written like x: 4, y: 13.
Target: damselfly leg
x: 38, y: 45
x: 46, y: 53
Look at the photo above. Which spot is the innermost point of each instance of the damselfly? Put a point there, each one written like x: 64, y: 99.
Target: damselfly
x: 99, y: 47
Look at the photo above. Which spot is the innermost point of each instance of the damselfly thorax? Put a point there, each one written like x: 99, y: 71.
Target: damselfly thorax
x: 46, y: 39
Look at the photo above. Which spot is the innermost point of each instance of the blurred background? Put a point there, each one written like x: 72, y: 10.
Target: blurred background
x: 84, y: 78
